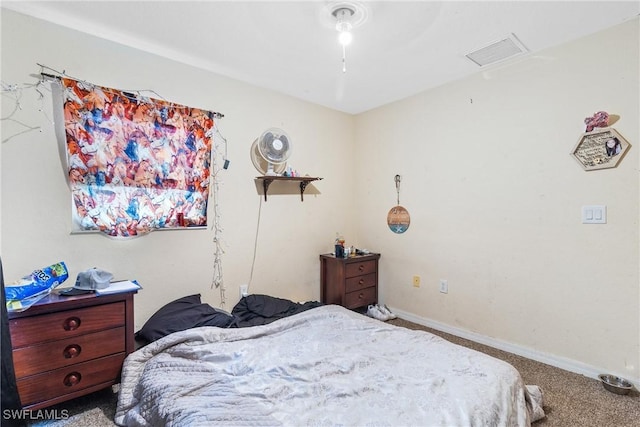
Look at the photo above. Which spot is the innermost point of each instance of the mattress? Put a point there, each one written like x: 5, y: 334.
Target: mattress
x: 327, y: 366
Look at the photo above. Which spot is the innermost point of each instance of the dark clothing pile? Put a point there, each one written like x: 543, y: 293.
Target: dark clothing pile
x: 254, y: 310
x: 190, y: 312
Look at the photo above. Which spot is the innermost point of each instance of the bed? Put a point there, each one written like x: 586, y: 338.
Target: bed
x: 327, y: 366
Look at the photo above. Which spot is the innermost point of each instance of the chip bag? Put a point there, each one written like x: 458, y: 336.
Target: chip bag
x: 38, y: 284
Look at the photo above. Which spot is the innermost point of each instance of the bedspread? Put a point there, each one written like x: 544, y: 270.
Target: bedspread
x: 324, y: 367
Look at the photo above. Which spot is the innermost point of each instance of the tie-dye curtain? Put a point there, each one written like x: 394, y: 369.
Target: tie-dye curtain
x: 135, y: 164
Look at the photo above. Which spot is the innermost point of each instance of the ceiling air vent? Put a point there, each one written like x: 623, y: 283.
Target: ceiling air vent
x: 505, y: 48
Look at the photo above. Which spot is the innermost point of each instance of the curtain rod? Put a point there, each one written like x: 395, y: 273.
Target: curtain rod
x: 54, y: 77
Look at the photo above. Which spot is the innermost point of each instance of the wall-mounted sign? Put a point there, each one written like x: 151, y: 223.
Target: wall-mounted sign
x: 600, y: 149
x: 398, y: 219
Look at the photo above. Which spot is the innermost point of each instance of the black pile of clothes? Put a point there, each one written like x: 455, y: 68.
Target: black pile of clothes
x: 190, y: 312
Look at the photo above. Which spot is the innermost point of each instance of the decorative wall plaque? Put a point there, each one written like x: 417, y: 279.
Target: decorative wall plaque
x: 398, y: 218
x: 600, y: 149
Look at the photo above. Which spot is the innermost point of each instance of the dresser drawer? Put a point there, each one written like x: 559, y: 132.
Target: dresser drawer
x: 357, y: 283
x: 54, y: 326
x: 359, y: 268
x: 360, y: 298
x: 49, y: 385
x: 56, y: 354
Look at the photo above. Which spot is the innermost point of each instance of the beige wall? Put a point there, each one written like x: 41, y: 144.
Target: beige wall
x: 495, y: 202
x: 36, y: 202
x: 493, y: 194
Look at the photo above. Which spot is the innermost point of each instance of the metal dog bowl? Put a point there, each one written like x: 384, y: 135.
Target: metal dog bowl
x: 615, y: 384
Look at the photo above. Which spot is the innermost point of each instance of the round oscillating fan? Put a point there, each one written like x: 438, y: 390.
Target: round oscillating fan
x: 261, y: 164
x: 274, y: 147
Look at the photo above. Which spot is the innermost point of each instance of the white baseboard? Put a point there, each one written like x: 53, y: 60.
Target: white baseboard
x: 549, y: 359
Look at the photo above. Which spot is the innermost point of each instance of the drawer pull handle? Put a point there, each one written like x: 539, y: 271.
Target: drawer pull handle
x: 361, y: 295
x: 71, y: 323
x: 72, y: 379
x: 361, y: 282
x: 71, y: 351
x: 361, y: 267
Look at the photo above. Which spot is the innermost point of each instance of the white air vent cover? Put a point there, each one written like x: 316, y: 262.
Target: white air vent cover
x: 507, y: 47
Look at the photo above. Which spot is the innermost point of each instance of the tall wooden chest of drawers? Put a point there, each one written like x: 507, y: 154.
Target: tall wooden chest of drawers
x: 66, y: 347
x: 350, y: 282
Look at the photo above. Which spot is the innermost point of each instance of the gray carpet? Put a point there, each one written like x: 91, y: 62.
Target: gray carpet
x: 569, y: 399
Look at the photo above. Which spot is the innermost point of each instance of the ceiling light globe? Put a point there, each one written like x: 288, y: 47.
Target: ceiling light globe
x: 345, y: 38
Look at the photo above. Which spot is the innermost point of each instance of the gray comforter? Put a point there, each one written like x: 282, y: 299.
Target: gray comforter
x: 324, y: 367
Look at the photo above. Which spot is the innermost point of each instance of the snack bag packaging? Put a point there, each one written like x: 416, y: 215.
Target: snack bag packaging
x: 39, y: 281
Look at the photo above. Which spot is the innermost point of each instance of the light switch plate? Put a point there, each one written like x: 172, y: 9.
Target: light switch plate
x: 594, y: 214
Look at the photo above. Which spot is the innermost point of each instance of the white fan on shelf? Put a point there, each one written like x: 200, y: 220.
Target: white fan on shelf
x: 269, y: 153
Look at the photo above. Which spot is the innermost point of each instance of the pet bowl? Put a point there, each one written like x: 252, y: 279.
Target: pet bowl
x: 615, y: 384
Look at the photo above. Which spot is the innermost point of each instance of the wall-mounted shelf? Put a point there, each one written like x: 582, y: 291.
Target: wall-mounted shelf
x: 303, y: 180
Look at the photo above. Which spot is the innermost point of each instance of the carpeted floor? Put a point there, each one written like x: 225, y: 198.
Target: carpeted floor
x: 569, y: 399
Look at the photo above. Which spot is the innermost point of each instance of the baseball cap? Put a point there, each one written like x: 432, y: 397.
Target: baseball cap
x: 88, y: 281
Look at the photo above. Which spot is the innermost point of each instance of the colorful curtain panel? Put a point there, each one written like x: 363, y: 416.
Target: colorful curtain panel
x: 135, y: 164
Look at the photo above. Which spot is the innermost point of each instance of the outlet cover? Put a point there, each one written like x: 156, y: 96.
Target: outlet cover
x: 416, y: 281
x: 244, y: 290
x: 444, y: 286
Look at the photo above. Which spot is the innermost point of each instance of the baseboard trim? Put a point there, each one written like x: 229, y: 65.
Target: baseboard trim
x: 549, y: 359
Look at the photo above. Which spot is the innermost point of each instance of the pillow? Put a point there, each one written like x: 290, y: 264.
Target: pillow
x: 181, y: 314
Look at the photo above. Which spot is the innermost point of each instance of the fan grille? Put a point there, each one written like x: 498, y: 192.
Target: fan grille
x: 261, y: 164
x: 274, y: 146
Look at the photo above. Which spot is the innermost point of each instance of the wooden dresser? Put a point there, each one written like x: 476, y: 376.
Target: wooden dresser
x: 350, y: 282
x: 65, y: 347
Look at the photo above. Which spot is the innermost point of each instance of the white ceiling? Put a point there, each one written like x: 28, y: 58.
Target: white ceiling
x: 404, y: 47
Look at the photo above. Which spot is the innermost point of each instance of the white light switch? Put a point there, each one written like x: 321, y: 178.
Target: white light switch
x: 594, y: 214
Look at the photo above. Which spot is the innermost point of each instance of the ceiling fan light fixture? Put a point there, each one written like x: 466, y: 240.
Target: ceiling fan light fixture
x: 345, y: 38
x: 343, y: 16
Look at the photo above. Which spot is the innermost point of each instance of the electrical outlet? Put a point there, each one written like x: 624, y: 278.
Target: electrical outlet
x: 244, y: 290
x: 444, y: 286
x: 416, y: 281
